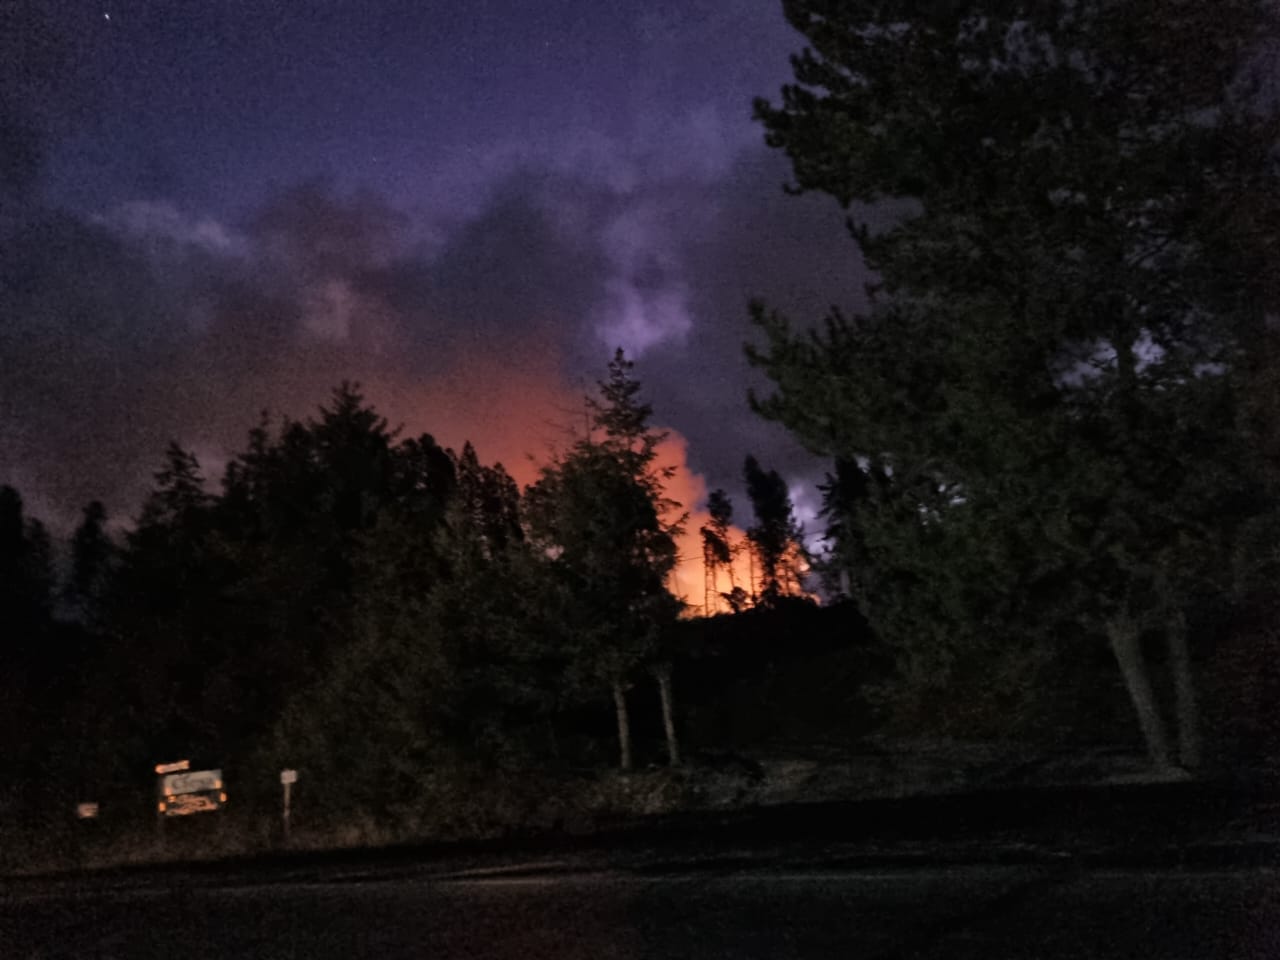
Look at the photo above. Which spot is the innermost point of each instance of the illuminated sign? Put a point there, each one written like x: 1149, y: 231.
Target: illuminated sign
x: 195, y: 791
x: 188, y: 803
x: 173, y: 767
x: 193, y: 782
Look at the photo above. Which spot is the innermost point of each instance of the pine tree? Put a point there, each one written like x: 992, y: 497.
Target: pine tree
x: 775, y: 537
x: 179, y: 493
x: 717, y: 551
x: 26, y: 580
x: 1047, y: 374
x: 92, y: 554
x: 600, y: 513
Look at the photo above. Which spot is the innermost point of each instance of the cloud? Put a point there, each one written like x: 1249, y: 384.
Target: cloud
x: 150, y: 322
x: 146, y: 324
x: 646, y: 300
x: 746, y: 239
x: 166, y: 229
x: 314, y: 230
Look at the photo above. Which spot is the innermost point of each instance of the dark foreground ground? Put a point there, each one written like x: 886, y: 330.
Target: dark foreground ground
x: 1171, y: 871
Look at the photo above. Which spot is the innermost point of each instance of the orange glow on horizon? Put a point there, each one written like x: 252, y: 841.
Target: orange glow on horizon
x: 689, y: 579
x: 515, y: 407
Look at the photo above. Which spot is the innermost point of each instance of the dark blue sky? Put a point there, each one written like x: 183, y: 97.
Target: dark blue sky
x: 218, y: 103
x: 214, y: 208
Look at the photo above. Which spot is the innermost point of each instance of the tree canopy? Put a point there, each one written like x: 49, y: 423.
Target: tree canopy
x: 1042, y: 397
x: 600, y: 513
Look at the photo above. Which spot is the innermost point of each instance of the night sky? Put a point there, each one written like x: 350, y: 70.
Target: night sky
x: 215, y: 208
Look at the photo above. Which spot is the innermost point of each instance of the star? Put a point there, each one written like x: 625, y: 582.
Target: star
x: 106, y: 16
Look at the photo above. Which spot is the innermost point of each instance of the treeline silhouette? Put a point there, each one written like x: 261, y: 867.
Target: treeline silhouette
x: 385, y: 615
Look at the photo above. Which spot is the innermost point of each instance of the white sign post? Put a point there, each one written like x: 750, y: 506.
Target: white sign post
x: 287, y: 779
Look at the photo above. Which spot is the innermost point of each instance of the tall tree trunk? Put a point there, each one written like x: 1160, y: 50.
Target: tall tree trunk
x: 709, y: 582
x: 1126, y: 644
x: 624, y: 725
x: 663, y: 674
x: 1184, y: 693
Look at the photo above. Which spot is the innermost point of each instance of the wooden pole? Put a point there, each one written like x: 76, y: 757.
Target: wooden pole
x: 663, y: 674
x: 624, y: 725
x: 284, y: 810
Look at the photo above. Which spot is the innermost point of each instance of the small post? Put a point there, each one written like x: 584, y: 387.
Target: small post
x: 86, y: 830
x: 162, y: 771
x: 287, y: 779
x: 160, y: 807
